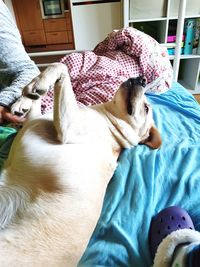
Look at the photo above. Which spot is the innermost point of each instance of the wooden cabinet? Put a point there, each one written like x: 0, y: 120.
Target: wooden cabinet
x: 32, y: 38
x: 69, y: 27
x: 57, y: 37
x: 29, y: 14
x: 59, y: 31
x: 52, y: 25
x: 40, y: 34
x: 30, y: 22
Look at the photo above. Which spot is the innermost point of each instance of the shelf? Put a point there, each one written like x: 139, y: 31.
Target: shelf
x: 192, y: 16
x: 188, y: 87
x: 156, y: 29
x: 190, y: 56
x: 189, y: 73
x: 171, y: 57
x: 146, y: 20
x: 192, y: 7
x: 185, y: 85
x: 159, y: 19
x: 186, y: 17
x: 147, y: 9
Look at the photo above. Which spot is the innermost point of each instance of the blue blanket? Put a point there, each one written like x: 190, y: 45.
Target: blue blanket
x: 146, y: 181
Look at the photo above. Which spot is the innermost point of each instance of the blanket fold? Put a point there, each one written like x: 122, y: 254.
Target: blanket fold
x: 125, y: 53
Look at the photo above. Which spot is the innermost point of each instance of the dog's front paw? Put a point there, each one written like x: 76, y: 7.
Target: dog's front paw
x: 22, y: 106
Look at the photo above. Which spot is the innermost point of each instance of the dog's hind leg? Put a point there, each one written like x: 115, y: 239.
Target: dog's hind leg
x: 65, y: 107
x: 66, y: 111
x: 41, y: 84
x: 29, y: 104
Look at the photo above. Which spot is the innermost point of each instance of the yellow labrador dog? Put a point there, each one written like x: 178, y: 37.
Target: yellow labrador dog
x: 54, y: 181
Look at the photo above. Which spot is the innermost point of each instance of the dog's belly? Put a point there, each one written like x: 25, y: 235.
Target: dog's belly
x: 68, y: 184
x: 37, y: 157
x: 57, y: 238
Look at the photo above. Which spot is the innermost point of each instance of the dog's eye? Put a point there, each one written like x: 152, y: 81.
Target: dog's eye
x: 146, y: 108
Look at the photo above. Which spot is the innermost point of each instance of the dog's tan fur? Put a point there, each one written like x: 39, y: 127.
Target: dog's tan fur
x: 54, y: 181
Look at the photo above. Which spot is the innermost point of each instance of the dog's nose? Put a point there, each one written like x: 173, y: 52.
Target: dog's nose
x: 135, y: 90
x: 139, y: 82
x: 135, y: 86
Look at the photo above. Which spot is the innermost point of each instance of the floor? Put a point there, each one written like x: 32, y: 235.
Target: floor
x: 197, y: 98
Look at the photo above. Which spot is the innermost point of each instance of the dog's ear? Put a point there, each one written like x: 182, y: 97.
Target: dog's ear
x: 154, y: 140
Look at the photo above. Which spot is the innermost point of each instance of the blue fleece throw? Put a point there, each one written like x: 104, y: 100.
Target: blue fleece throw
x: 146, y: 181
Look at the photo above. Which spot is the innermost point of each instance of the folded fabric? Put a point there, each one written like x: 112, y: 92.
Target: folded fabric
x: 125, y: 53
x: 4, y: 133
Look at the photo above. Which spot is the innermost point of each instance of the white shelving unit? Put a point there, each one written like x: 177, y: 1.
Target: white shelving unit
x: 158, y: 19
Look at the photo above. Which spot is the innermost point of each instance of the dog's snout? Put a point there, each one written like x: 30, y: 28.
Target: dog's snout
x: 135, y: 90
x: 135, y: 86
x: 130, y: 83
x: 138, y: 82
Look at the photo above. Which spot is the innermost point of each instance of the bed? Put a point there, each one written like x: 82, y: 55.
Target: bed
x: 145, y: 181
